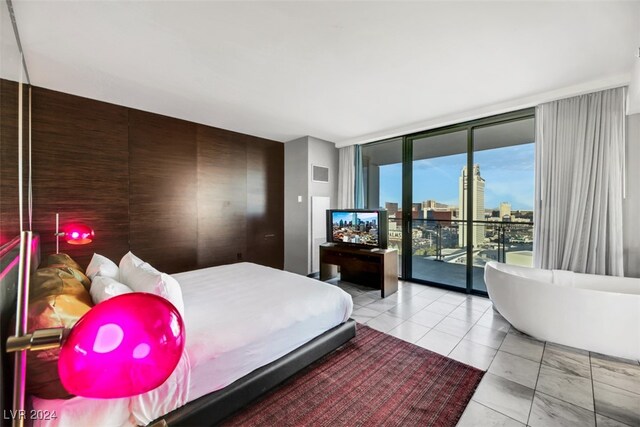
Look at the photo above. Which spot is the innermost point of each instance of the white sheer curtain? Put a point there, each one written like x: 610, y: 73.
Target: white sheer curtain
x: 580, y: 184
x: 346, y: 177
x: 633, y: 97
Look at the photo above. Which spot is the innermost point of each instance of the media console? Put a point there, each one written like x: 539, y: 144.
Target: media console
x: 376, y: 268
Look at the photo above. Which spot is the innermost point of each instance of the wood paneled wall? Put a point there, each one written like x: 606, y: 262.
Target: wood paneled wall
x: 222, y: 185
x: 163, y: 193
x: 178, y: 194
x: 81, y: 168
x: 265, y: 191
x: 9, y: 218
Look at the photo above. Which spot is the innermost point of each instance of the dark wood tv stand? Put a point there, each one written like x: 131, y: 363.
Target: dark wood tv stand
x: 376, y: 268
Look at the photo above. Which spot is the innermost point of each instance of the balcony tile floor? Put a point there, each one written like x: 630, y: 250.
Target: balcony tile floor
x: 528, y: 382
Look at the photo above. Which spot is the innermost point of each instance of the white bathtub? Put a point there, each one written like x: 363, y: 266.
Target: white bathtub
x: 595, y: 313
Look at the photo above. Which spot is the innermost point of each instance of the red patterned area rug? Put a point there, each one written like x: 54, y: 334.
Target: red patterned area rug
x: 373, y: 380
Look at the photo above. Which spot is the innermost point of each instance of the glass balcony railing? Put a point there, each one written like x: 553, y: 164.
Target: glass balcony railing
x: 439, y: 248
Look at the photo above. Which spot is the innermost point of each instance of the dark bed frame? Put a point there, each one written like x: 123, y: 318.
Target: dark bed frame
x: 208, y: 410
x: 212, y: 408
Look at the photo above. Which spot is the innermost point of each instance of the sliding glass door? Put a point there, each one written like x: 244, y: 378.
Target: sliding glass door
x: 457, y: 198
x: 504, y: 155
x: 438, y: 247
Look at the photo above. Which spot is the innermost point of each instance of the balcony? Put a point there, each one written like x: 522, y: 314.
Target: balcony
x: 439, y: 250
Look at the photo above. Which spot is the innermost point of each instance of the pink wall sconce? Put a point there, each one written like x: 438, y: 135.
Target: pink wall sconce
x: 74, y: 233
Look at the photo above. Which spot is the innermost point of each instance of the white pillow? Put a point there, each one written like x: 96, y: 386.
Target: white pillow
x: 142, y: 277
x: 102, y: 266
x: 128, y: 263
x: 104, y: 288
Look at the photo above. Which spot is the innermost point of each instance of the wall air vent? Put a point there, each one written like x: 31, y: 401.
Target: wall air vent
x: 320, y: 174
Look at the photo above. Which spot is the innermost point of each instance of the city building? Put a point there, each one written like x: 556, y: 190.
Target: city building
x: 505, y: 211
x: 478, y: 206
x: 415, y: 213
x: 429, y: 204
x: 441, y: 217
x: 432, y: 204
x: 391, y: 207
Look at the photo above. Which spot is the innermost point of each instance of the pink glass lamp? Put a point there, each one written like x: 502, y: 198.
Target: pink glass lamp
x: 122, y: 347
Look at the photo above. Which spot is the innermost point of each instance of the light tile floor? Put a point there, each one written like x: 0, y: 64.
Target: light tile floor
x: 528, y: 382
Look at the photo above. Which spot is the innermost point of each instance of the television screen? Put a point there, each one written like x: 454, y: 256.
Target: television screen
x: 357, y: 227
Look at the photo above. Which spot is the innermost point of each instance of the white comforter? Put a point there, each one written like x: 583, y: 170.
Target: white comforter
x: 238, y: 318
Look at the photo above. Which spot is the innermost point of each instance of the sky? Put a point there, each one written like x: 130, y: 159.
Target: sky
x: 346, y: 216
x: 507, y: 171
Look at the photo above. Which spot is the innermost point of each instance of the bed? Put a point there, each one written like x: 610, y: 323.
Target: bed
x: 248, y: 328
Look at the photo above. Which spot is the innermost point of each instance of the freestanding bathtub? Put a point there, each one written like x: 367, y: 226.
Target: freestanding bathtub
x: 587, y: 311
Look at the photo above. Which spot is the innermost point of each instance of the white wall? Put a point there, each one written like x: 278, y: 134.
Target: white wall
x: 324, y: 153
x: 631, y: 222
x: 300, y: 155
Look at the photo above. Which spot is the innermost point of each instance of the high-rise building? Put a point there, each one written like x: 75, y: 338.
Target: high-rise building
x: 505, y: 210
x: 429, y: 204
x: 477, y: 194
x: 391, y: 207
x: 432, y: 204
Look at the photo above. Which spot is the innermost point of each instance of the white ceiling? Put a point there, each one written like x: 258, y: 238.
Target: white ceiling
x: 341, y: 71
x: 10, y: 59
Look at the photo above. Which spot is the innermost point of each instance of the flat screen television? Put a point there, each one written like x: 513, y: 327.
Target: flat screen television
x: 358, y: 227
